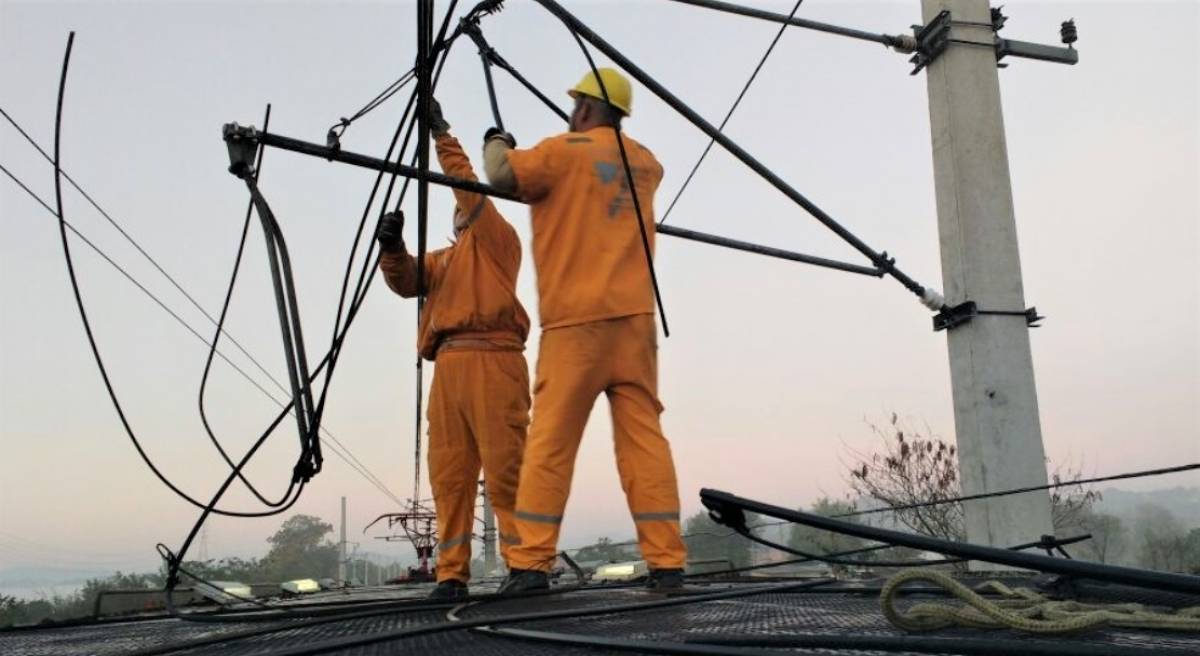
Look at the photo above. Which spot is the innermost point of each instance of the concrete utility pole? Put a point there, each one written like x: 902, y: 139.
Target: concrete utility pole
x: 341, y: 573
x: 991, y: 366
x: 489, y: 532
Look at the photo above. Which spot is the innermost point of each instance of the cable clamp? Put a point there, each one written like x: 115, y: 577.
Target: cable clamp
x: 243, y: 144
x: 932, y: 41
x: 954, y: 316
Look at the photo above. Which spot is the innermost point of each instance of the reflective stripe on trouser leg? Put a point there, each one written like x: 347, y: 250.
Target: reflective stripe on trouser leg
x: 643, y: 454
x: 571, y: 372
x: 453, y: 472
x: 500, y: 419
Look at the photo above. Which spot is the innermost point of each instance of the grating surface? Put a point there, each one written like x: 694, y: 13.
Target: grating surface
x: 821, y: 611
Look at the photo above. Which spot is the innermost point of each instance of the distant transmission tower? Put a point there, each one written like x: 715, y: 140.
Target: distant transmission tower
x: 202, y: 550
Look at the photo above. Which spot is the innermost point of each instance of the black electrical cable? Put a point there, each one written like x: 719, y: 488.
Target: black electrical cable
x: 87, y: 323
x: 880, y: 259
x: 339, y: 129
x: 348, y: 642
x: 768, y: 645
x: 178, y: 319
x: 221, y: 328
x: 351, y: 460
x: 637, y: 205
x: 133, y: 242
x: 1021, y: 490
x: 729, y: 114
x: 343, y: 611
x: 730, y: 510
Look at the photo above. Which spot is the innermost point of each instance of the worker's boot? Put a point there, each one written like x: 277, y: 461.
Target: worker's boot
x: 665, y: 580
x: 449, y: 590
x: 520, y: 581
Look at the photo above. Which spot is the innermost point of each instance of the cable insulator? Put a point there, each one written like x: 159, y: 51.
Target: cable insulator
x: 932, y: 299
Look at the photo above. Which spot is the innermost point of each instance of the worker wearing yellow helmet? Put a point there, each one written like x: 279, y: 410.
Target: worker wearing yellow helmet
x: 598, y: 329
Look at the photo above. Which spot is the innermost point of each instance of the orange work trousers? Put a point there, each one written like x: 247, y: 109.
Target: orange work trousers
x: 478, y: 414
x: 618, y: 357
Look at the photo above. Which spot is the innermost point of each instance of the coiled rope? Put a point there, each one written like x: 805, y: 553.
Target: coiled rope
x: 1021, y: 609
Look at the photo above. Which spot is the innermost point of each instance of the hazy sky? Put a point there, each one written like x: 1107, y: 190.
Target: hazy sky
x: 773, y: 368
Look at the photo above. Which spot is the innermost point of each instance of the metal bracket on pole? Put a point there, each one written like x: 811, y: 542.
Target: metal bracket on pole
x: 952, y: 317
x: 933, y: 39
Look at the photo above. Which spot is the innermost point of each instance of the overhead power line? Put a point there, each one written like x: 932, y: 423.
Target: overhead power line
x: 348, y: 457
x: 729, y: 114
x: 348, y: 453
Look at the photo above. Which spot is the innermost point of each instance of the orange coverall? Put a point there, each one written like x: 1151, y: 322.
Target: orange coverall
x: 599, y: 335
x: 474, y: 327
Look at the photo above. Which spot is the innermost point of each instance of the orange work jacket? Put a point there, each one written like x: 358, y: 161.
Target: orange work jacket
x: 472, y: 284
x: 587, y: 247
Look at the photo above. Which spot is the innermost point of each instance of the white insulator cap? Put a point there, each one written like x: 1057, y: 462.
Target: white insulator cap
x: 932, y: 299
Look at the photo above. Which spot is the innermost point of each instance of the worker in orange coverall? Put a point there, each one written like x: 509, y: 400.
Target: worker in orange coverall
x: 599, y: 333
x: 474, y: 328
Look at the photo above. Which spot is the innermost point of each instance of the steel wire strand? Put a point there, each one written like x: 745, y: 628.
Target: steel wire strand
x: 728, y: 115
x: 88, y: 327
x: 174, y: 282
x: 174, y: 315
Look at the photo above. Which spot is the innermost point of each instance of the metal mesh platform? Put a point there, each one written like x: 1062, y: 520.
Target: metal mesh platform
x: 832, y: 610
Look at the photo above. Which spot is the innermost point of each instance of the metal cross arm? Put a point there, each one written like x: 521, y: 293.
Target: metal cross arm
x: 250, y: 135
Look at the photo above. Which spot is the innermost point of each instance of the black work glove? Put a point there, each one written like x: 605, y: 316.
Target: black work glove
x: 437, y: 123
x: 497, y: 133
x: 391, y: 232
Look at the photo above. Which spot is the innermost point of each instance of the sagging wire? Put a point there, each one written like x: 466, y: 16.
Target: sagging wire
x: 91, y: 336
x: 881, y: 260
x: 349, y: 458
x: 728, y: 115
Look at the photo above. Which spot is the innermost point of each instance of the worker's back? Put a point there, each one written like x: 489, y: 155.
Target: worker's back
x: 587, y: 247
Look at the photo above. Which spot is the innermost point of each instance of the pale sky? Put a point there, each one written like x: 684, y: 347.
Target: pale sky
x: 772, y: 369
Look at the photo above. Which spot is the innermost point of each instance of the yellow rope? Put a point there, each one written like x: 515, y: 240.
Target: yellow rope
x: 1021, y: 609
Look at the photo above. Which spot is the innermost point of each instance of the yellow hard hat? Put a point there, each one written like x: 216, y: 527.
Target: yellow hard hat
x: 620, y: 93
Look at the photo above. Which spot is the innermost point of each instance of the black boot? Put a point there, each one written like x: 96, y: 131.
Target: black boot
x: 665, y: 580
x: 520, y: 581
x: 449, y: 590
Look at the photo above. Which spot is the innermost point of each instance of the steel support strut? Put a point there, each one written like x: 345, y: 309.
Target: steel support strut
x: 424, y: 101
x: 377, y: 164
x: 880, y: 260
